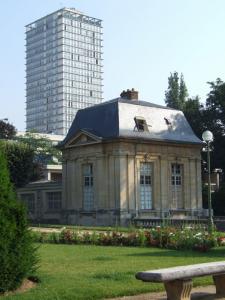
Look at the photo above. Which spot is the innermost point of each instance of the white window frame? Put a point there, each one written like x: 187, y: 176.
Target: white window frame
x: 145, y: 185
x: 88, y: 187
x: 177, y: 185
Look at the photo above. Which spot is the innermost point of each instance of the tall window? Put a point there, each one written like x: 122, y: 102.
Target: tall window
x: 146, y: 185
x: 54, y: 200
x: 88, y: 192
x: 177, y: 185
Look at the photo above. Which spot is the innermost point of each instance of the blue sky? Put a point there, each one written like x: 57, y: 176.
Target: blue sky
x: 144, y: 41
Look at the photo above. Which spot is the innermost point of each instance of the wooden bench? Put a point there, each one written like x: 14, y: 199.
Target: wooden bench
x: 178, y: 280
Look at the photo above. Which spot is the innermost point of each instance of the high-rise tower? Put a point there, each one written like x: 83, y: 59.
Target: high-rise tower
x: 63, y: 69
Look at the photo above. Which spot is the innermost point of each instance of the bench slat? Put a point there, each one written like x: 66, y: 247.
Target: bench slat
x: 182, y: 272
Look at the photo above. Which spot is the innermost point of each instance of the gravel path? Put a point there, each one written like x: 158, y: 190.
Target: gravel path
x: 46, y: 230
x: 199, y: 293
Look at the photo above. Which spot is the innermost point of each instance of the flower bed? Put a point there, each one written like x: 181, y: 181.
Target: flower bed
x: 163, y: 237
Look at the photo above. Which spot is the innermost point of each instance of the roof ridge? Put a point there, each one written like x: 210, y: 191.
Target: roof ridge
x: 133, y: 102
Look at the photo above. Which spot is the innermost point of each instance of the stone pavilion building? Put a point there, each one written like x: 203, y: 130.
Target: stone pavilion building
x: 127, y: 160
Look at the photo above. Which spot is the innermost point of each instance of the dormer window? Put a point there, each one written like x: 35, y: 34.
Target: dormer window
x: 140, y: 124
x: 168, y: 122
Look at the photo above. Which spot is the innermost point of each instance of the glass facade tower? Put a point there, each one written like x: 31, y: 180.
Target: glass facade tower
x: 63, y: 69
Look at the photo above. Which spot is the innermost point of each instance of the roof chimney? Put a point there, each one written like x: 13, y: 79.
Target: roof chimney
x: 129, y: 94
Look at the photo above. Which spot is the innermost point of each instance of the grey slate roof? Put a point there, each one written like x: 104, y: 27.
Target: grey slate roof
x: 115, y: 119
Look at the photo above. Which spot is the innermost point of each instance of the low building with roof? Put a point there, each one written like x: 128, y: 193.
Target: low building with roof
x: 43, y: 198
x: 127, y: 160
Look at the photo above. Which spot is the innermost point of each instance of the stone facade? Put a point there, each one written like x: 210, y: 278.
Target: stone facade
x: 117, y: 189
x: 43, y: 200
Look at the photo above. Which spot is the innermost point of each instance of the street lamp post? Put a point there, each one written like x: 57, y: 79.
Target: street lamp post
x: 207, y: 137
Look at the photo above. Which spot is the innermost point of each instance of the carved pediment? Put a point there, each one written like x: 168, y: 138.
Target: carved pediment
x: 83, y: 138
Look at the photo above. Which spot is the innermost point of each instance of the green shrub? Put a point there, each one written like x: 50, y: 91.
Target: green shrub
x: 17, y: 253
x: 53, y: 238
x: 94, y: 238
x: 66, y: 236
x: 188, y: 238
x: 105, y: 239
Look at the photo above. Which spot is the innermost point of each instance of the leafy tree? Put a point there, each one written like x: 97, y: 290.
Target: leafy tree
x: 215, y: 106
x: 177, y: 97
x: 183, y: 92
x: 214, y: 120
x: 44, y: 150
x: 172, y: 93
x: 21, y: 165
x: 176, y: 94
x: 218, y: 203
x: 7, y: 130
x: 17, y: 253
x: 26, y: 157
x: 194, y: 113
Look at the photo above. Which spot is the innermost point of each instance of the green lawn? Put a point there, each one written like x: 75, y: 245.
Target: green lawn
x: 95, y: 272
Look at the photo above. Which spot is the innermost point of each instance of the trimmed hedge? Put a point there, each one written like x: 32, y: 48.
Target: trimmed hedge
x: 162, y: 237
x: 17, y: 253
